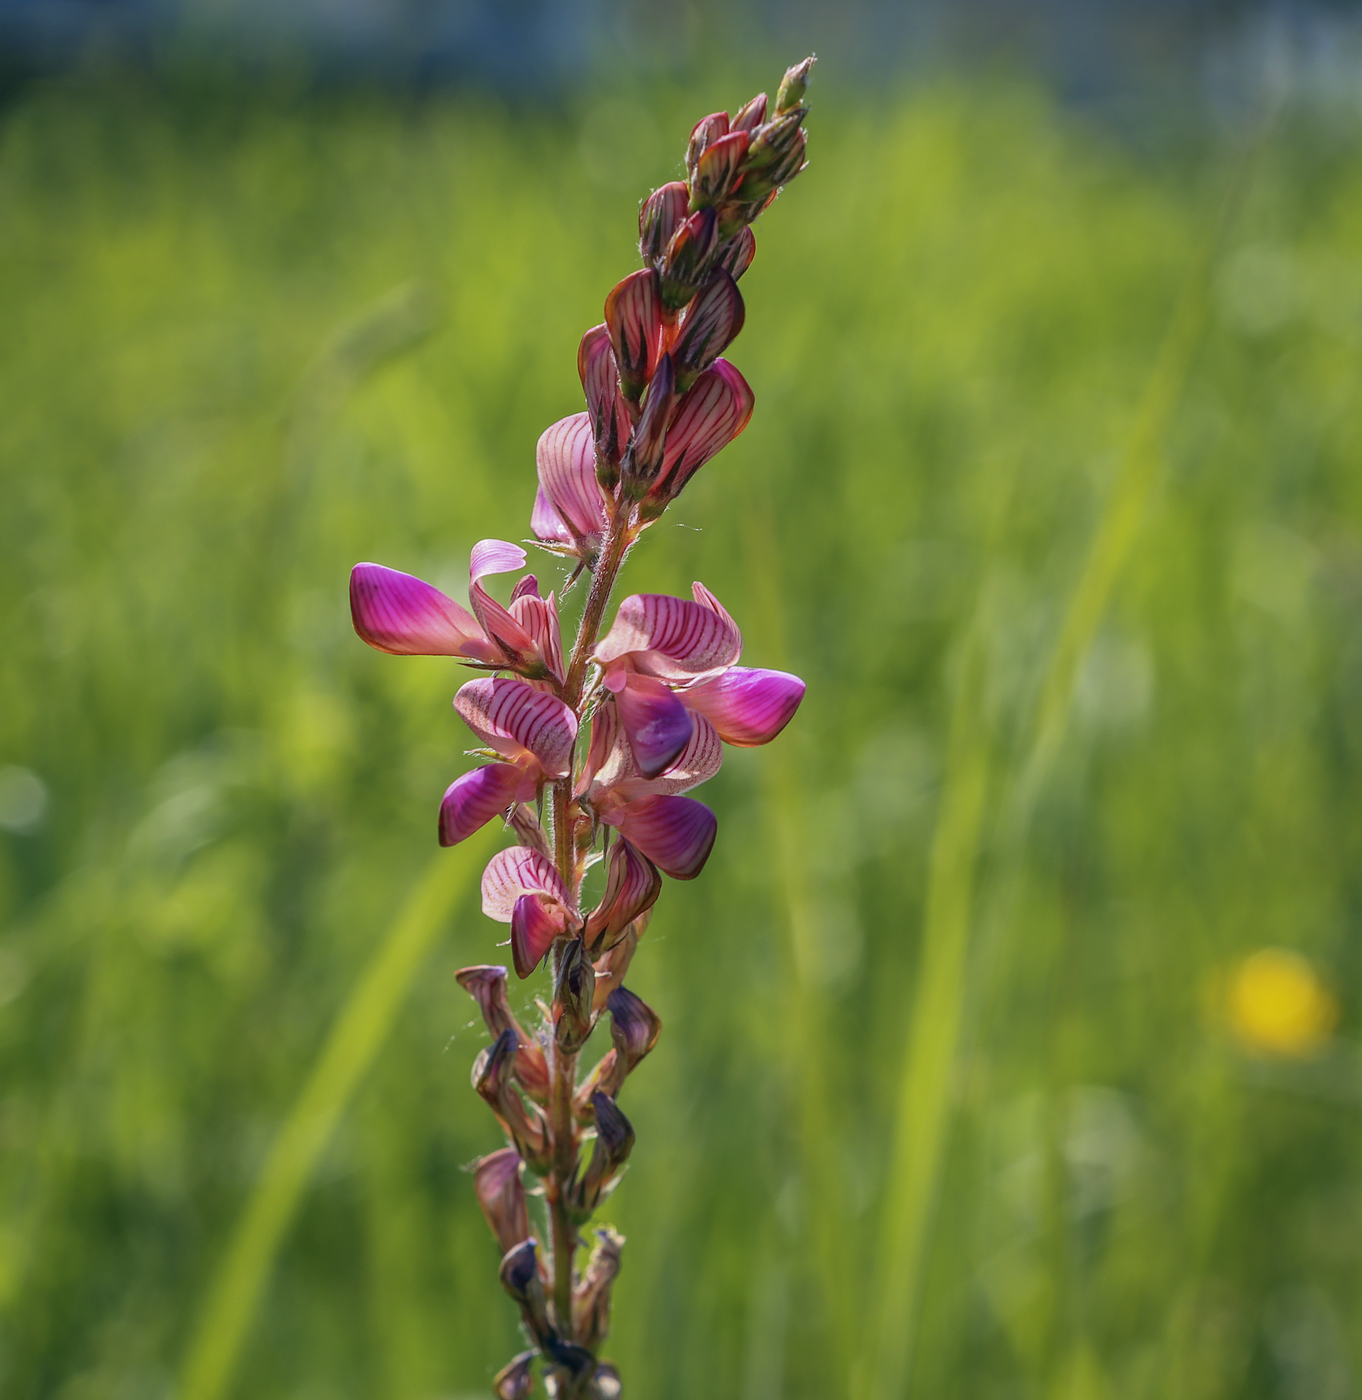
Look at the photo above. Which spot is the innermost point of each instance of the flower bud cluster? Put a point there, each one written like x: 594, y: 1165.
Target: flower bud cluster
x: 588, y: 756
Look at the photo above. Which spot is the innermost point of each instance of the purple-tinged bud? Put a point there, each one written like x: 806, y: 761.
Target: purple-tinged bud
x: 703, y: 135
x: 497, y: 1182
x: 520, y: 1278
x: 487, y: 986
x: 573, y: 996
x: 794, y: 85
x: 634, y: 1026
x: 751, y: 116
x: 493, y: 1078
x: 660, y: 217
x: 632, y: 886
x: 515, y: 1380
x: 591, y: 1299
x: 633, y: 312
x: 773, y: 143
x: 687, y: 263
x: 610, y: 421
x: 646, y: 448
x: 611, y: 969
x: 614, y: 1143
x: 709, y: 325
x: 606, y: 1383
x: 574, y: 1362
x: 735, y: 256
x: 717, y: 169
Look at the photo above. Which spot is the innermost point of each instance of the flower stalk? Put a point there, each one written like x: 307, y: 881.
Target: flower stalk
x: 608, y: 740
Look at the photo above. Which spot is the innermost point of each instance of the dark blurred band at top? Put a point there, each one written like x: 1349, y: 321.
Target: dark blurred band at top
x: 1092, y: 52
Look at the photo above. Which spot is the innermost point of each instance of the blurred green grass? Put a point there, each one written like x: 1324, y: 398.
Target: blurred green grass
x: 249, y: 342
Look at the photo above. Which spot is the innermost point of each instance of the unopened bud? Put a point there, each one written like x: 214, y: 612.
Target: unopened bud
x: 687, y: 260
x: 705, y: 132
x: 520, y: 1278
x: 794, y: 85
x: 762, y: 184
x: 712, y: 322
x: 751, y: 116
x: 644, y: 455
x: 501, y: 1195
x: 516, y: 1380
x: 634, y: 1026
x: 735, y: 256
x: 605, y: 1384
x: 633, y: 313
x: 609, y: 413
x: 591, y: 1301
x: 717, y: 169
x: 614, y: 1143
x: 772, y: 144
x: 660, y: 217
x: 573, y: 1364
x: 573, y: 995
x: 632, y: 886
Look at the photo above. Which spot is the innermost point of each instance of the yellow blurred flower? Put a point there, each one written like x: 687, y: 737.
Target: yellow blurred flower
x: 1277, y: 1004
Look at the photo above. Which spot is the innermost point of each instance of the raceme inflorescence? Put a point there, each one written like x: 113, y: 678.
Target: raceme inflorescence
x: 589, y: 755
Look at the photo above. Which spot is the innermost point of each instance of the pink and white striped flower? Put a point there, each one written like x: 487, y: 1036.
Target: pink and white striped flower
x: 520, y: 887
x: 569, y: 509
x: 405, y: 616
x: 533, y: 731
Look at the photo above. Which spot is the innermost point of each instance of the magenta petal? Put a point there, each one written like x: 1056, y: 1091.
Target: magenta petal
x: 472, y: 801
x: 711, y: 415
x: 539, y: 617
x: 675, y: 833
x: 535, y: 923
x: 633, y: 314
x: 519, y: 721
x: 516, y: 871
x: 401, y: 614
x: 700, y: 760
x: 569, y: 503
x: 671, y: 638
x: 632, y: 886
x: 748, y: 706
x: 657, y: 724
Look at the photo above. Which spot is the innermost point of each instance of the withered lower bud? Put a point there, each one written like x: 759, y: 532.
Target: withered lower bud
x: 573, y: 995
x: 493, y: 1078
x: 794, y: 85
x: 611, y: 969
x: 634, y: 1026
x: 501, y: 1195
x: 591, y: 1301
x: 516, y: 1379
x: 703, y: 135
x: 660, y: 217
x: 643, y: 457
x: 486, y: 984
x: 605, y: 1384
x: 750, y: 116
x: 717, y: 170
x: 686, y: 264
x: 519, y: 1275
x: 614, y: 1143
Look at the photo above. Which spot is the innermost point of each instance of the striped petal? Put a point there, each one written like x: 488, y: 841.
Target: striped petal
x: 610, y: 422
x: 498, y: 557
x: 710, y: 324
x: 675, y: 833
x: 670, y: 638
x: 712, y: 414
x: 633, y: 314
x: 400, y: 614
x: 657, y: 725
x: 514, y: 872
x: 521, y: 722
x: 747, y: 706
x: 470, y: 802
x: 699, y: 761
x: 568, y: 508
x: 632, y: 885
x: 539, y: 617
x: 535, y: 923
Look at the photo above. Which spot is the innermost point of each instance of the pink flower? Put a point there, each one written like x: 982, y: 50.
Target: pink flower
x: 569, y: 509
x: 520, y: 887
x: 401, y: 614
x: 532, y: 730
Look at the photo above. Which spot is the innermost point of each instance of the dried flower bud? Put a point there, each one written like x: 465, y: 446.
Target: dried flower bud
x: 735, y: 256
x: 605, y: 1384
x: 703, y: 135
x: 645, y: 453
x: 660, y: 217
x: 501, y: 1195
x: 515, y: 1380
x: 487, y: 986
x: 751, y: 116
x: 687, y: 264
x: 591, y: 1301
x: 519, y: 1275
x: 611, y: 969
x: 614, y: 1143
x: 794, y: 85
x: 523, y: 1123
x: 633, y: 312
x: 573, y: 996
x: 572, y: 1365
x: 717, y: 169
x: 709, y: 325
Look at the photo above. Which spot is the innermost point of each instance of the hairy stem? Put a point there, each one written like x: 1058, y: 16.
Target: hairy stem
x: 613, y: 550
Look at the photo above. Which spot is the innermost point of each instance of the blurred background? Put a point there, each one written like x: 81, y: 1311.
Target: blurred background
x: 1011, y: 1040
